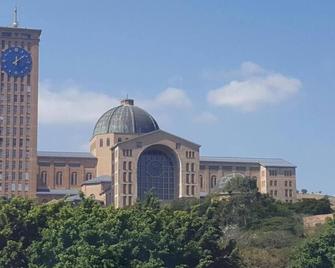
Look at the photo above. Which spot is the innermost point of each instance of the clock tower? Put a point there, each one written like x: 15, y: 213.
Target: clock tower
x: 18, y: 110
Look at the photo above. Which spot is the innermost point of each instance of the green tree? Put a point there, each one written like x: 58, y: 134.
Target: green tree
x: 317, y: 252
x: 312, y: 206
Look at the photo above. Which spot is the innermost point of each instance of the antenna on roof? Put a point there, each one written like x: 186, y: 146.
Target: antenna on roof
x: 15, y: 20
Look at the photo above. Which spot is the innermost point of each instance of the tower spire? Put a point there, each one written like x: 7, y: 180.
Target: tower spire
x: 15, y: 20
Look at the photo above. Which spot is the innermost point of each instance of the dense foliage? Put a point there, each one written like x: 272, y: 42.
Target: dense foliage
x: 318, y: 251
x: 312, y: 206
x: 87, y: 235
x: 240, y: 229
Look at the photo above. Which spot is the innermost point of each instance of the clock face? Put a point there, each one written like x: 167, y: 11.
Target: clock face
x: 16, y: 61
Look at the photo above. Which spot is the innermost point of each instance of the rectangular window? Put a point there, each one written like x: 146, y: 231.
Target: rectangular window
x: 124, y: 188
x: 187, y: 178
x: 271, y: 182
x: 124, y: 165
x: 124, y: 201
x: 273, y: 172
x: 129, y: 177
x: 124, y: 176
x: 192, y: 190
x: 129, y: 188
x: 187, y: 190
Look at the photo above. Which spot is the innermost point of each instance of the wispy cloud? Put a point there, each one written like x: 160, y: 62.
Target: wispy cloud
x: 171, y: 98
x: 205, y: 118
x: 253, y: 87
x: 71, y: 105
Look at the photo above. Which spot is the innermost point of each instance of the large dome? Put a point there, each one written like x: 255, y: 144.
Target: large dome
x: 125, y: 119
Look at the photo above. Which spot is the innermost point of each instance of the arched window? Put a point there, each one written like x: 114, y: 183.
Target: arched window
x: 44, y: 177
x: 187, y: 167
x: 59, y: 178
x: 73, y: 178
x: 201, y: 181
x: 88, y: 176
x: 213, y: 181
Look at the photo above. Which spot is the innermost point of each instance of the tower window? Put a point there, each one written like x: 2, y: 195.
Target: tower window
x: 59, y: 178
x: 73, y: 178
x: 213, y: 181
x: 88, y: 176
x: 44, y: 177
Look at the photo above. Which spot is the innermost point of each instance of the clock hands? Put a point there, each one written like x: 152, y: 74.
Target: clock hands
x: 17, y: 60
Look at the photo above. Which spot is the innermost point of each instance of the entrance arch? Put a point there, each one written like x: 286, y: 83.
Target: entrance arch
x: 158, y: 171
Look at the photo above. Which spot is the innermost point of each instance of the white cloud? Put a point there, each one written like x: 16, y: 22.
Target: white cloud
x: 256, y: 87
x: 172, y: 97
x: 206, y: 118
x: 72, y: 105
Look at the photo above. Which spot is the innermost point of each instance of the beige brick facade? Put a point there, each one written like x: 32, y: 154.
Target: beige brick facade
x: 129, y: 154
x: 18, y: 117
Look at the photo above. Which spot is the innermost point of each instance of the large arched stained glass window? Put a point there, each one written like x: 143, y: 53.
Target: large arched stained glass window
x: 157, y: 171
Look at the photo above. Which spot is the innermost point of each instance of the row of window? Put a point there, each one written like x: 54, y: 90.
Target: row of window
x: 213, y: 181
x: 16, y: 85
x: 127, y: 166
x: 15, y: 109
x: 14, y: 131
x: 14, y: 142
x: 20, y: 187
x: 7, y: 153
x: 15, y: 43
x: 22, y: 120
x: 190, y: 190
x: 127, y: 189
x: 127, y: 201
x: 288, y: 193
x: 127, y: 152
x: 13, y: 175
x: 287, y: 183
x: 127, y: 176
x: 274, y: 173
x: 15, y: 164
x: 190, y: 178
x: 190, y: 154
x: 58, y: 179
x: 16, y: 98
x: 190, y: 167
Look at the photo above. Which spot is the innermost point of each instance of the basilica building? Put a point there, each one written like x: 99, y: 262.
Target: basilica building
x: 129, y: 154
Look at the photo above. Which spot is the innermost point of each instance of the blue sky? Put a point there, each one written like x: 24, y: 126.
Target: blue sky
x: 242, y: 78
